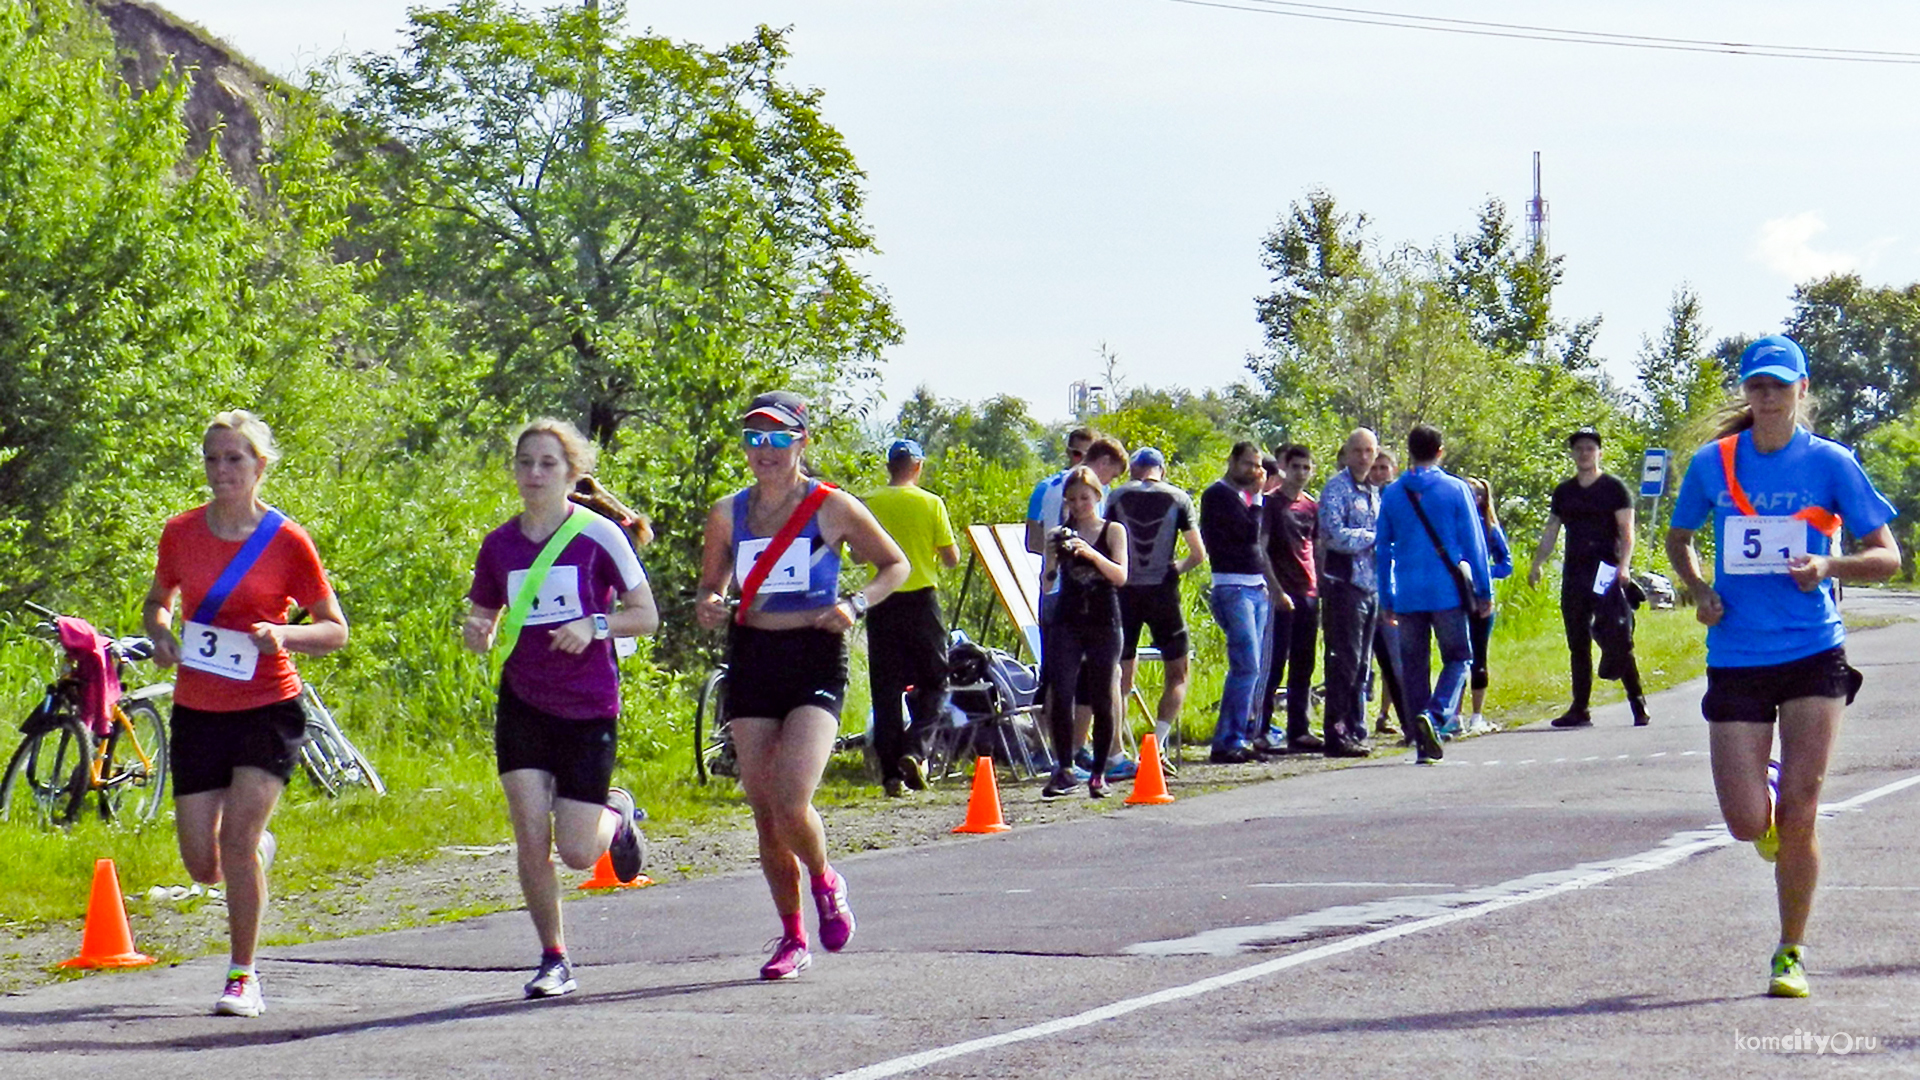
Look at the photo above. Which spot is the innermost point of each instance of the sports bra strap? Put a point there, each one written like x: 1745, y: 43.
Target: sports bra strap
x: 1820, y: 518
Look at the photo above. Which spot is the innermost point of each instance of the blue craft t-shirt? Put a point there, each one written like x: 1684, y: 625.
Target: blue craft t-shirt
x: 1768, y: 620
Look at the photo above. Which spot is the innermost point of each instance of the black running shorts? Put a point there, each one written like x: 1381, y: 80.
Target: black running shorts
x: 1755, y: 694
x: 207, y: 746
x: 1157, y: 607
x: 770, y: 673
x: 578, y: 754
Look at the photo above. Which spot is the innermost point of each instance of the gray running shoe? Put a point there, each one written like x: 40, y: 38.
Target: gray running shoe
x: 628, y: 850
x: 554, y: 978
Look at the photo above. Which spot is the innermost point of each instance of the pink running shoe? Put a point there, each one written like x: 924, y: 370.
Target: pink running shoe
x: 836, y: 918
x: 790, y: 958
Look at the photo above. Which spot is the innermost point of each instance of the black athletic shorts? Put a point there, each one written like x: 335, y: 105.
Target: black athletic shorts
x: 207, y: 746
x: 770, y: 673
x: 1755, y: 694
x: 1156, y: 607
x: 578, y: 754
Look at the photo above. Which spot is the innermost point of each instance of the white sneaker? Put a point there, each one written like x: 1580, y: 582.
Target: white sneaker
x: 1479, y: 725
x: 241, y: 997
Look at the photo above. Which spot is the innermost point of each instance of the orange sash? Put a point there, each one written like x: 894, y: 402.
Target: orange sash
x: 1823, y: 520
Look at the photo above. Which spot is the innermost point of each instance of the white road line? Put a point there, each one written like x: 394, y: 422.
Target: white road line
x: 1662, y: 753
x: 1353, y: 885
x: 1670, y: 852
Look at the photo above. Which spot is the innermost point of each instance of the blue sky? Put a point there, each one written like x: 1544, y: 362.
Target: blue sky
x: 1045, y: 176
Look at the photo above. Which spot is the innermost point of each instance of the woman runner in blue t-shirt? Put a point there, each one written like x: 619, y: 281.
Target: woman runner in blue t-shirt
x: 1776, y: 495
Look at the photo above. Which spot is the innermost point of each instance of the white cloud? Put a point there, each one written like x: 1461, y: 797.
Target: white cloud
x: 1785, y: 246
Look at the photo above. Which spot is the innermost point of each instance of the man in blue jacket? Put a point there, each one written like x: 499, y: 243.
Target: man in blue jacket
x: 1432, y: 562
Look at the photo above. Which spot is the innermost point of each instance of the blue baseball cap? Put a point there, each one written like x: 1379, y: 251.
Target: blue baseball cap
x: 904, y: 448
x: 1776, y: 356
x: 1148, y: 457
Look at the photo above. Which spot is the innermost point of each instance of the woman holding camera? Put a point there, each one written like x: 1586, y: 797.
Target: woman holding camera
x: 1090, y: 555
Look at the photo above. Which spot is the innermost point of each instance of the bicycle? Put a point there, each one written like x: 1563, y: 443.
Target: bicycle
x: 62, y: 759
x: 331, y: 759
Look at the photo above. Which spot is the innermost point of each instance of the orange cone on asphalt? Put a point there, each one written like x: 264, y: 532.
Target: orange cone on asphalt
x: 983, y: 808
x: 604, y: 877
x: 107, y: 941
x: 1149, y: 784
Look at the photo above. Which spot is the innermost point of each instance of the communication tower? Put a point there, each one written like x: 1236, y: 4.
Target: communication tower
x: 1537, y: 215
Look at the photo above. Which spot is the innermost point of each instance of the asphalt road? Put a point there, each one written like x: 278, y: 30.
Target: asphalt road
x: 1543, y: 903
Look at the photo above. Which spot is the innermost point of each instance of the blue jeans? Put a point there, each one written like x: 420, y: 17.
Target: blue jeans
x: 1449, y: 628
x: 1242, y: 612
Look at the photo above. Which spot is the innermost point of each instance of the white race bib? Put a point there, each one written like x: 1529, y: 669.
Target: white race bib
x: 230, y: 654
x: 1604, y: 577
x: 558, y: 600
x: 790, y: 573
x: 1755, y: 544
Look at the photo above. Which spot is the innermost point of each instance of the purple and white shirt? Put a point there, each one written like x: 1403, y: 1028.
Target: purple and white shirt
x: 594, y: 568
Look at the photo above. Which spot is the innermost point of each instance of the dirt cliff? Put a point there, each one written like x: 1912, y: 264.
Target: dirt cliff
x: 231, y: 95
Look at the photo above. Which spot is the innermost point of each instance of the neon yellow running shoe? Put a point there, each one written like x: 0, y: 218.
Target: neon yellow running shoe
x: 1789, y: 973
x: 1768, y: 844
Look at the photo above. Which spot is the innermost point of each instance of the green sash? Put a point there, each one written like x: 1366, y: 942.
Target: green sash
x: 509, y: 635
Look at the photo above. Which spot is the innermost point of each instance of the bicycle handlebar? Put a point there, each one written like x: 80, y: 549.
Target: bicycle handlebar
x: 38, y: 610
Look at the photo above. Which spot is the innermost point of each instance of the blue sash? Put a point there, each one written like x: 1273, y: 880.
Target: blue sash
x: 243, y: 561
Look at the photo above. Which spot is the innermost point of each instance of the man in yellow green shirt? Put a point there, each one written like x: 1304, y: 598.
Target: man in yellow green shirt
x: 906, y: 636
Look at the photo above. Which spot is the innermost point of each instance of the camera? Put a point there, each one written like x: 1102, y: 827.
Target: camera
x: 1058, y: 540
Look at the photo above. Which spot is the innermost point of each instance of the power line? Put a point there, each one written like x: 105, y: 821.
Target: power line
x: 1524, y: 32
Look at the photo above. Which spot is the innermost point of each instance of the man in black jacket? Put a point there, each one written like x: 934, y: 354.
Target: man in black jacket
x: 1231, y: 513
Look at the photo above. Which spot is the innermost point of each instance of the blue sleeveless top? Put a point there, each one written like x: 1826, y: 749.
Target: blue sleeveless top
x: 806, y: 578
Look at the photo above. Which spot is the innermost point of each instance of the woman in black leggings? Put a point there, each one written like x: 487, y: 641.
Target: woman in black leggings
x: 1090, y: 555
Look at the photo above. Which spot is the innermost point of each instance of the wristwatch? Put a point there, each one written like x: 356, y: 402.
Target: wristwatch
x: 600, y: 631
x: 858, y: 602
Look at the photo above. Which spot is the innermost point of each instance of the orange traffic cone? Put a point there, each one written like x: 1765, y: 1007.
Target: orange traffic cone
x: 604, y: 877
x: 107, y: 941
x: 983, y: 808
x: 1149, y: 785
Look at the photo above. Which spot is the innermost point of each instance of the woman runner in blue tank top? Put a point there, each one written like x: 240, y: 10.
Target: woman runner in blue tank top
x: 1775, y: 495
x: 787, y: 658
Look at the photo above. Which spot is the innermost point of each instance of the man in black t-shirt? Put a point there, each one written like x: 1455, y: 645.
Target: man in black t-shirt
x: 1597, y: 512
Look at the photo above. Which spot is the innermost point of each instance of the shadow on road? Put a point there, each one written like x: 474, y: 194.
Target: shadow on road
x: 1467, y: 1019
x: 253, y: 1035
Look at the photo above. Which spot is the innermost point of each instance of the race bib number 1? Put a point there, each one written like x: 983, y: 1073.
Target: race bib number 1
x: 1753, y: 544
x: 558, y: 600
x: 790, y: 573
x: 230, y: 654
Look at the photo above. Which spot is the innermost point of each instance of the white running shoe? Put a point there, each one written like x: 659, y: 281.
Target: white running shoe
x: 241, y: 997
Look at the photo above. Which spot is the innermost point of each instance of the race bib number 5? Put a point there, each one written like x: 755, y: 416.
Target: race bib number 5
x: 1755, y: 544
x: 230, y: 654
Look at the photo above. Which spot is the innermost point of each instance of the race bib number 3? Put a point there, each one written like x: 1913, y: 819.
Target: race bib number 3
x: 1754, y: 544
x: 230, y: 654
x: 790, y: 572
x: 558, y: 600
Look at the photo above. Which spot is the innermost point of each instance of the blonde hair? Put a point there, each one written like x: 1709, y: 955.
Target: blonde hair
x: 1082, y: 476
x: 581, y: 454
x: 1735, y: 416
x: 249, y: 427
x: 1483, y: 493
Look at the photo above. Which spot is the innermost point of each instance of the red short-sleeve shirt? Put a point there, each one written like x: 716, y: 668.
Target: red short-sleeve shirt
x: 288, y: 572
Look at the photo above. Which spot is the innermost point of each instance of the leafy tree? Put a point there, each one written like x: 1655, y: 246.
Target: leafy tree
x: 1863, y: 346
x: 1507, y: 292
x: 1681, y: 378
x: 998, y: 430
x: 139, y: 292
x: 622, y: 229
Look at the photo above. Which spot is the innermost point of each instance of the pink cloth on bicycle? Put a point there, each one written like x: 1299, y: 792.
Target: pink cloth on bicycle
x: 99, y: 681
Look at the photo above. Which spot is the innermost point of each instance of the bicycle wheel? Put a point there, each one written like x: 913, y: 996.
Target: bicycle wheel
x: 48, y: 778
x: 330, y: 758
x: 712, y: 744
x: 132, y: 783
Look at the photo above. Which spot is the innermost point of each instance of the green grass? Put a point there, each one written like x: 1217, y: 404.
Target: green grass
x: 443, y: 790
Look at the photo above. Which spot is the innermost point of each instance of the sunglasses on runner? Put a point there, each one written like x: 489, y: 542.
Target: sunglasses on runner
x: 779, y: 440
